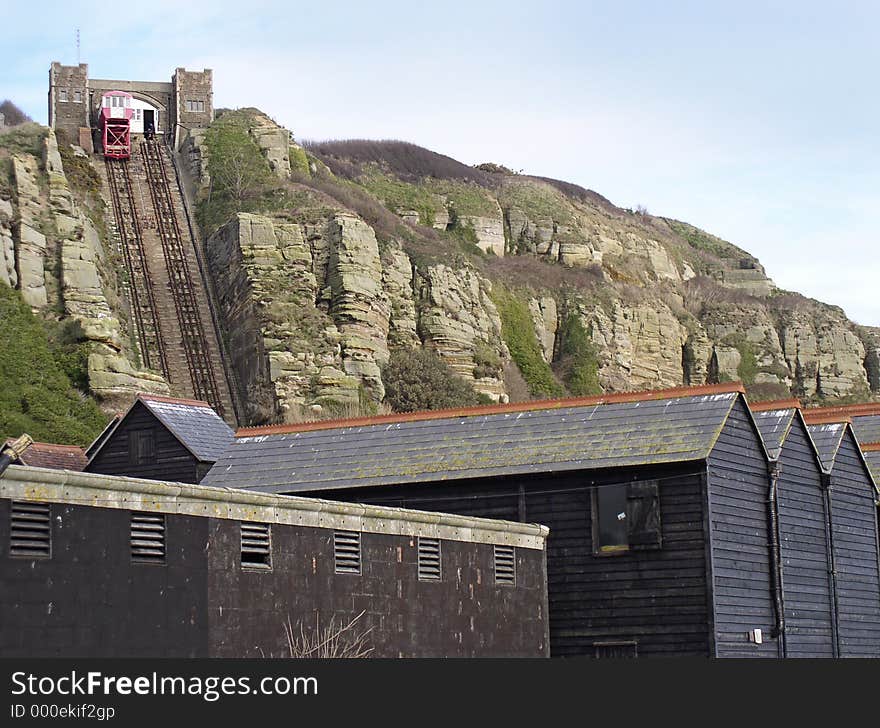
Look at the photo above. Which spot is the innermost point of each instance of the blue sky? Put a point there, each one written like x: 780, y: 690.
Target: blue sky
x: 754, y: 120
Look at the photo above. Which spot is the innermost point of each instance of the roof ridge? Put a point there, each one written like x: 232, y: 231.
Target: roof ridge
x: 768, y: 405
x: 172, y: 400
x: 51, y: 446
x: 855, y: 410
x: 819, y: 417
x: 535, y: 405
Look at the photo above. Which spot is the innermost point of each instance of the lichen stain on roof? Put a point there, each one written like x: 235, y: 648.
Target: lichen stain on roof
x: 574, y: 437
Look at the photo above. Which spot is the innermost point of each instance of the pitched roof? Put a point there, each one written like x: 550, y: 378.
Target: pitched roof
x: 57, y: 457
x: 198, y: 427
x: 775, y: 424
x: 865, y: 418
x: 872, y: 457
x: 678, y: 425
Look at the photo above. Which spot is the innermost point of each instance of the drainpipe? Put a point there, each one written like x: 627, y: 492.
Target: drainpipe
x: 832, y: 571
x: 775, y: 556
x: 13, y: 451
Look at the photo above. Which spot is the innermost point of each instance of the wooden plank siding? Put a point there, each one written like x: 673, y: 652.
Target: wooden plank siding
x: 738, y: 518
x: 657, y: 598
x: 806, y: 561
x: 857, y: 574
x: 173, y: 462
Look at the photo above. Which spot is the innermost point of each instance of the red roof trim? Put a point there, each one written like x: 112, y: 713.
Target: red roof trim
x: 173, y: 400
x: 775, y: 404
x: 51, y: 447
x: 820, y: 417
x: 544, y: 404
x: 853, y: 410
x: 871, y: 447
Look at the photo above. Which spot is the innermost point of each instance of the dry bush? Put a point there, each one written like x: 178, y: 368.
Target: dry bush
x: 527, y: 270
x: 333, y: 641
x: 13, y: 116
x: 407, y: 161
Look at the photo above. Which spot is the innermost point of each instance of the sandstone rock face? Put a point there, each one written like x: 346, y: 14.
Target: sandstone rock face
x: 826, y: 357
x: 489, y: 230
x: 32, y: 244
x: 457, y: 316
x: 8, y: 274
x: 397, y: 280
x: 696, y: 357
x: 358, y: 304
x: 546, y: 320
x: 274, y: 141
x: 640, y: 346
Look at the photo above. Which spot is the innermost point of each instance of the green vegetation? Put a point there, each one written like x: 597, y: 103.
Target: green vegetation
x: 519, y: 335
x: 399, y: 196
x: 241, y: 180
x: 418, y: 379
x: 701, y: 240
x: 748, y: 364
x: 578, y: 364
x: 37, y: 396
x: 538, y: 200
x: 487, y: 362
x: 299, y: 160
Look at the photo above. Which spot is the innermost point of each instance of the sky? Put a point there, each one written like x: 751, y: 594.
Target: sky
x: 756, y: 121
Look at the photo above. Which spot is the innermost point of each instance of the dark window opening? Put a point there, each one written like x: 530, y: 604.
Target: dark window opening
x: 615, y: 650
x: 30, y: 530
x: 347, y: 552
x: 256, y: 546
x: 626, y: 517
x: 429, y: 559
x: 148, y: 538
x: 505, y: 566
x: 141, y: 447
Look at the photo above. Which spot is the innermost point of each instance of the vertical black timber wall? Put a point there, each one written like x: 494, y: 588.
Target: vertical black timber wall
x: 464, y: 615
x: 738, y: 484
x: 854, y: 530
x: 657, y: 598
x: 90, y: 600
x: 806, y: 563
x: 173, y: 461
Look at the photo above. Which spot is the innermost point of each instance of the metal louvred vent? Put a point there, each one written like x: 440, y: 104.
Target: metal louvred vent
x: 429, y: 559
x: 505, y: 566
x: 30, y: 530
x: 148, y: 537
x: 347, y: 552
x: 256, y: 545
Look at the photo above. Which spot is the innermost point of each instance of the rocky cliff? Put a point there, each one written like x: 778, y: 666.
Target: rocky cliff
x: 330, y: 259
x: 58, y: 254
x: 326, y: 298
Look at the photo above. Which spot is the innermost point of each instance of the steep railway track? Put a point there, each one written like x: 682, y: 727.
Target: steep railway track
x: 182, y: 289
x: 141, y: 289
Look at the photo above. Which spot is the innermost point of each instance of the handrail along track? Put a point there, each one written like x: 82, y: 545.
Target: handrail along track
x: 143, y: 299
x: 198, y: 357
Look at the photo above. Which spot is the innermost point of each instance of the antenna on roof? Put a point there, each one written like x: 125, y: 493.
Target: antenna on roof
x: 77, y: 46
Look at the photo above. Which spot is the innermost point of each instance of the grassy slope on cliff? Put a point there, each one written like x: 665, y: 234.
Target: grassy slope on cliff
x: 37, y: 396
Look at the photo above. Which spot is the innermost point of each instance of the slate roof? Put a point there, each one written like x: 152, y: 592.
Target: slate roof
x: 865, y: 418
x: 774, y: 425
x: 614, y: 431
x: 872, y: 457
x: 198, y: 427
x: 827, y: 438
x: 57, y: 457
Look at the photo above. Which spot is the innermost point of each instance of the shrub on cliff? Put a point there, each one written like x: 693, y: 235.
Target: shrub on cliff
x: 578, y: 364
x: 519, y: 335
x: 37, y: 396
x: 418, y: 379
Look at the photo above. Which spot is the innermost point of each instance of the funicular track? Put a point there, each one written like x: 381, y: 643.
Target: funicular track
x: 142, y: 293
x: 180, y: 280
